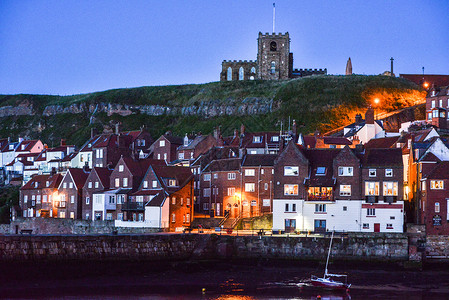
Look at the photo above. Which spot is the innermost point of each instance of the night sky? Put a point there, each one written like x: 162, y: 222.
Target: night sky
x: 71, y: 47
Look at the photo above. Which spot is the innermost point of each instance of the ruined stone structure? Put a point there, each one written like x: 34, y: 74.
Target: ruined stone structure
x: 274, y: 62
x: 348, y: 67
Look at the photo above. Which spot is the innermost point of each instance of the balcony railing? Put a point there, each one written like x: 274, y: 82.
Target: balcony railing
x: 312, y: 197
x: 133, y: 206
x: 372, y: 199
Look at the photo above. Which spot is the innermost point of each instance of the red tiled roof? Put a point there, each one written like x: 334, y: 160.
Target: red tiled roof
x: 382, y: 157
x: 103, y: 174
x: 441, y: 171
x: 79, y: 177
x: 429, y: 156
x: 182, y: 174
x: 28, y: 145
x: 321, y: 158
x: 386, y: 142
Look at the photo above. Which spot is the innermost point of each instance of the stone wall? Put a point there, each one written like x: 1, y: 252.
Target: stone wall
x: 437, y: 246
x: 379, y: 247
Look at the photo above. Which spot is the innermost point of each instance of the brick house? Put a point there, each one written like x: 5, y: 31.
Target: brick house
x: 97, y: 181
x: 164, y: 148
x: 166, y: 194
x: 192, y: 148
x: 220, y: 184
x: 324, y: 189
x: 257, y: 184
x: 437, y: 107
x: 141, y: 140
x: 37, y: 195
x: 70, y: 194
x: 434, y: 206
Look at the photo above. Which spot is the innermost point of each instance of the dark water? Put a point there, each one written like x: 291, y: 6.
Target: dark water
x: 244, y: 280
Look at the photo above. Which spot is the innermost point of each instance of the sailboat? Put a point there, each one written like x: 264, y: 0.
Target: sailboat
x: 330, y: 281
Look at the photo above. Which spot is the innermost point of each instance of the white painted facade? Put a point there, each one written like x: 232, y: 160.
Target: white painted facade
x: 341, y: 215
x: 103, y: 202
x: 79, y: 161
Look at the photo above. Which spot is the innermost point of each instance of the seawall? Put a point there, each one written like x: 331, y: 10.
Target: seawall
x: 383, y: 247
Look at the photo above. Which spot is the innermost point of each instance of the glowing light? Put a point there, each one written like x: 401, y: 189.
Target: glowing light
x: 426, y: 85
x: 376, y: 100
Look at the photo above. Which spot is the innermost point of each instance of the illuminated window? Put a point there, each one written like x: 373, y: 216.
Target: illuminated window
x: 89, y: 184
x: 173, y: 200
x: 117, y: 182
x: 345, y: 190
x: 390, y: 188
x: 291, y: 171
x: 437, y: 184
x: 345, y: 171
x: 250, y: 187
x: 173, y: 218
x: 120, y: 168
x: 253, y: 203
x: 250, y: 172
x: 162, y: 143
x: 320, y: 193
x: 154, y: 184
x: 96, y: 184
x: 171, y: 182
x: 145, y: 184
x: 371, y: 188
x: 437, y: 207
x: 62, y: 214
x: 290, y: 189
x: 257, y: 139
x: 231, y: 191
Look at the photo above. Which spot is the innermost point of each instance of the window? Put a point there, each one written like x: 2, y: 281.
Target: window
x: 97, y: 184
x: 371, y: 212
x: 215, y: 175
x: 290, y: 189
x: 231, y: 191
x: 109, y: 216
x: 206, y: 192
x: 388, y: 172
x: 71, y: 185
x: 25, y: 199
x: 47, y: 184
x: 120, y: 199
x: 241, y: 73
x: 44, y: 198
x: 433, y: 101
x: 154, y: 184
x: 291, y: 171
x: 286, y: 207
x: 372, y: 173
x: 173, y: 200
x: 320, y: 208
x: 266, y: 202
x: 273, y: 46
x: 389, y: 226
x: 441, y: 103
x: 253, y: 203
x: 365, y: 226
x: 266, y: 186
x: 87, y: 200
x: 89, y: 185
x: 206, y: 177
x: 112, y: 199
x: 181, y: 155
x: 430, y: 116
x: 72, y: 199
x: 121, y: 168
x: 173, y: 218
x: 437, y: 207
x: 253, y: 70
x: 257, y: 139
x: 345, y: 190
x: 64, y: 185
x: 273, y: 67
x: 172, y: 182
x: 345, y: 208
x: 321, y: 171
x: 205, y: 206
x: 231, y: 176
x: 158, y: 156
x: 229, y: 74
x: 435, y: 113
x: 423, y: 185
x: 250, y: 172
x: 162, y: 143
x: 125, y: 182
x: 117, y: 182
x: 371, y: 188
x: 38, y: 199
x: 62, y: 214
x: 182, y: 200
x: 183, y: 218
x: 188, y: 201
x: 437, y: 184
x: 345, y: 171
x: 145, y: 184
x: 390, y: 188
x: 140, y: 217
x: 188, y: 218
x: 275, y: 138
x: 250, y: 187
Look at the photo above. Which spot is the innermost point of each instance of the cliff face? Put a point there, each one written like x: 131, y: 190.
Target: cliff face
x: 316, y: 102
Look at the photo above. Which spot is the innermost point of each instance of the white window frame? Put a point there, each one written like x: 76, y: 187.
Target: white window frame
x: 250, y: 187
x: 345, y: 187
x: 291, y: 171
x: 232, y: 176
x: 345, y: 171
x: 250, y: 172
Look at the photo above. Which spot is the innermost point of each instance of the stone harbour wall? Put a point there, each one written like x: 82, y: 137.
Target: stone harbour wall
x: 437, y: 246
x: 383, y: 247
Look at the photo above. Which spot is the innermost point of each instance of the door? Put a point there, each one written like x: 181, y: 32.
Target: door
x: 376, y: 227
x: 290, y: 225
x: 320, y: 226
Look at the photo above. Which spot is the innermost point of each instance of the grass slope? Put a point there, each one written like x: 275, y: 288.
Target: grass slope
x: 318, y: 102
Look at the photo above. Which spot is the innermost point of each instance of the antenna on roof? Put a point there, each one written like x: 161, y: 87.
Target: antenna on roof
x: 274, y: 16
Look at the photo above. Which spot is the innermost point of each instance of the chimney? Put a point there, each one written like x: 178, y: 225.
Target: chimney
x: 242, y: 130
x: 63, y: 142
x: 294, y: 129
x: 236, y: 133
x: 369, y: 116
x: 20, y: 140
x: 358, y: 118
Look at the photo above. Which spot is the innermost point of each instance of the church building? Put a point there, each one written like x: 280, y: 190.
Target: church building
x: 274, y: 62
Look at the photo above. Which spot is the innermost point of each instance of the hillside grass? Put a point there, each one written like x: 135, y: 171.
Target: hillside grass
x: 317, y: 102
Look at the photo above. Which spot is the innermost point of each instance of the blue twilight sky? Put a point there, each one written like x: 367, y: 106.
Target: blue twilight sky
x: 70, y: 47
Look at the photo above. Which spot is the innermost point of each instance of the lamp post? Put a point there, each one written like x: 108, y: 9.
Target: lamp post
x: 376, y: 102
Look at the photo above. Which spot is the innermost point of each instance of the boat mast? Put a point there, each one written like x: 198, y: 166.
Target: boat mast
x: 329, y: 253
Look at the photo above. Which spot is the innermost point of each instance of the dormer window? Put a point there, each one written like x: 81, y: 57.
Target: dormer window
x: 11, y: 147
x: 171, y: 182
x: 275, y: 139
x: 43, y: 155
x: 23, y: 147
x: 257, y: 139
x: 433, y: 93
x: 186, y: 141
x: 36, y: 184
x: 321, y: 171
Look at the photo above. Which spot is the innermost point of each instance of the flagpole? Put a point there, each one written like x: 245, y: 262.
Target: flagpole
x: 274, y: 17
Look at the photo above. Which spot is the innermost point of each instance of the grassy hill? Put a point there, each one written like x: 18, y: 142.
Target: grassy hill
x: 318, y: 102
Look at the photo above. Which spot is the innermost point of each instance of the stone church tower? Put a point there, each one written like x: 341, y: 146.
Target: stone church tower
x: 274, y: 60
x: 348, y: 67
